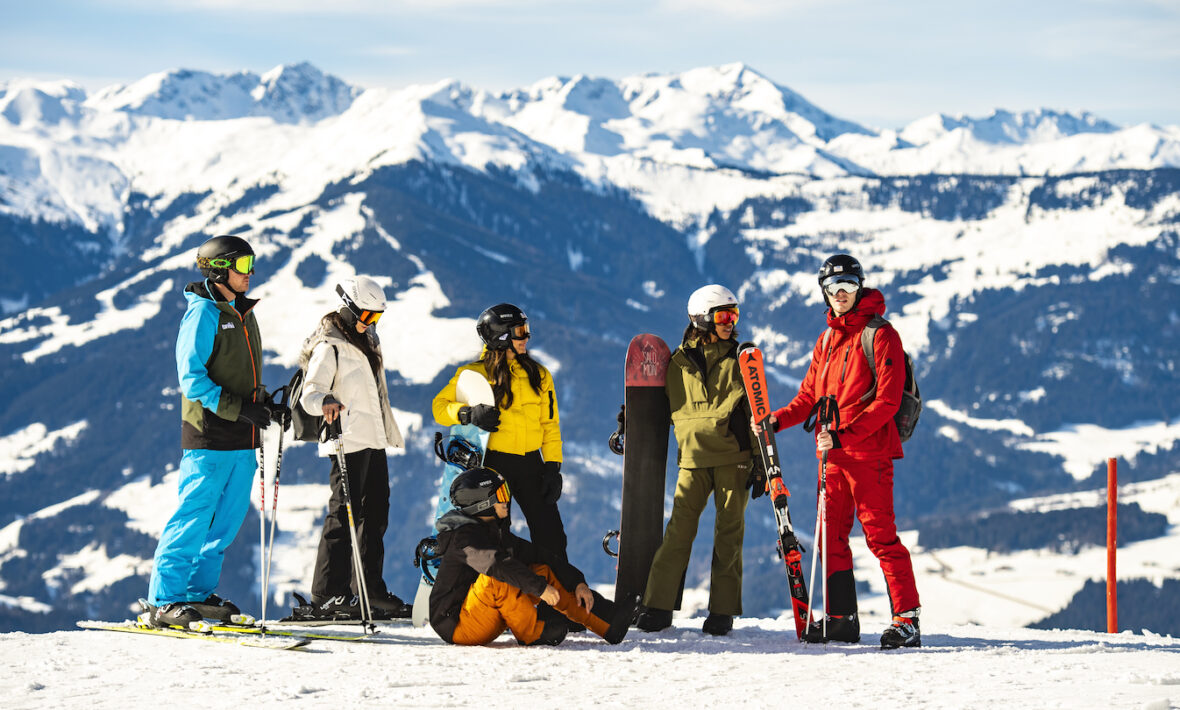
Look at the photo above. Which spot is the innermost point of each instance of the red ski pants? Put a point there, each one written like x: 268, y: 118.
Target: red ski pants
x: 865, y: 488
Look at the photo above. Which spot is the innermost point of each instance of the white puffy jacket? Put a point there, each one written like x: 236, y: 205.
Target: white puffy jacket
x: 347, y: 376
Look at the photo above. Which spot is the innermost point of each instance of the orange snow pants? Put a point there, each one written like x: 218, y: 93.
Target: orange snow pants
x: 492, y: 606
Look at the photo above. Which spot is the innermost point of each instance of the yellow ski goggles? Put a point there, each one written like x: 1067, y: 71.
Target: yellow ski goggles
x: 242, y: 264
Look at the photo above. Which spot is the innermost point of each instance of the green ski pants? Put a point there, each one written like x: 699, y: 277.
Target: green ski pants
x: 727, y: 486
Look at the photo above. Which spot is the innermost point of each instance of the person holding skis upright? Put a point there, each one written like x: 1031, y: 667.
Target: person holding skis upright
x: 525, y: 441
x: 490, y: 579
x: 860, y: 451
x: 223, y: 407
x: 708, y: 404
x: 346, y: 381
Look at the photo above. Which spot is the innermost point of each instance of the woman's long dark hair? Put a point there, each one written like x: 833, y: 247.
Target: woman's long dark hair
x: 498, y: 367
x: 360, y: 340
x: 694, y: 333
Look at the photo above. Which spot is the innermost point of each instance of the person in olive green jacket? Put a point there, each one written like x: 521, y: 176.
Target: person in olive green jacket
x: 709, y: 415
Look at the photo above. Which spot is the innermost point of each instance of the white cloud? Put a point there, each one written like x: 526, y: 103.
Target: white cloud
x: 740, y: 8
x: 339, y: 7
x: 387, y: 50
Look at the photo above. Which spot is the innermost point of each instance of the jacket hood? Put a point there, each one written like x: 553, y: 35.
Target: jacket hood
x: 453, y: 520
x: 872, y: 303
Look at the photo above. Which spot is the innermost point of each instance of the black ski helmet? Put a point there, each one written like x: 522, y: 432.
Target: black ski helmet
x: 477, y: 490
x: 841, y: 264
x: 495, y: 325
x: 225, y: 246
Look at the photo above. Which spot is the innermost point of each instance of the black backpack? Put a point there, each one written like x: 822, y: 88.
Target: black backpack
x: 304, y: 425
x: 907, y: 415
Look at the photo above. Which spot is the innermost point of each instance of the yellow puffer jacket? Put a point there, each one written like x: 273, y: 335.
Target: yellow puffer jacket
x: 531, y: 422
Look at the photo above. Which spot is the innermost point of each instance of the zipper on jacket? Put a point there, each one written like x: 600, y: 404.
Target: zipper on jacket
x: 844, y: 367
x: 254, y: 370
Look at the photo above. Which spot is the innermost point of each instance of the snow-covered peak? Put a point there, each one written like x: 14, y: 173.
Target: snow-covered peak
x: 726, y: 116
x: 289, y: 93
x: 28, y: 102
x: 293, y: 93
x: 1006, y: 127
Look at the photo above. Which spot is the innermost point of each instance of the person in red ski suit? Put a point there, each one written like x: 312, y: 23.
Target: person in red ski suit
x: 860, y: 449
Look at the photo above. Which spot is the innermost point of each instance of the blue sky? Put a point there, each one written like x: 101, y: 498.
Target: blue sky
x: 876, y: 62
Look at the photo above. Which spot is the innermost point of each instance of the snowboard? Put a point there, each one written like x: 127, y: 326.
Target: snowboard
x: 645, y: 459
x: 789, y: 549
x: 471, y: 389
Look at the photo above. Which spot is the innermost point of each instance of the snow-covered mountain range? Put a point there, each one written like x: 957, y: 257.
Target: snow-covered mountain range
x: 1031, y: 262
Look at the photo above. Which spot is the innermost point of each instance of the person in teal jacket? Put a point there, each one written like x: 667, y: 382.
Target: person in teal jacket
x: 223, y: 407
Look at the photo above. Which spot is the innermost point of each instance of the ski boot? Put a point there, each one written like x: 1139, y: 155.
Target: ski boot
x: 178, y: 614
x: 390, y: 606
x: 554, y: 627
x: 840, y: 628
x: 218, y: 609
x: 654, y: 620
x: 620, y: 622
x: 718, y: 624
x: 903, y: 632
x: 338, y: 608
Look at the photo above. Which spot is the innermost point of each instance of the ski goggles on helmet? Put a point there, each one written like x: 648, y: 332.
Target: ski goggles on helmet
x: 521, y: 332
x: 503, y: 495
x: 242, y: 264
x: 840, y: 282
x: 726, y: 316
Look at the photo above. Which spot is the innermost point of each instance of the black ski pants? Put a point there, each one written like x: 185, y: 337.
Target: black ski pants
x: 524, y: 476
x: 368, y: 482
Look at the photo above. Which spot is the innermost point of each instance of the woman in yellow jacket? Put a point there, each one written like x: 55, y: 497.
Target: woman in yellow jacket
x: 525, y: 442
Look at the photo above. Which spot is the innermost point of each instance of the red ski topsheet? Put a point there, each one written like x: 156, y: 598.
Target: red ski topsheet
x: 647, y: 361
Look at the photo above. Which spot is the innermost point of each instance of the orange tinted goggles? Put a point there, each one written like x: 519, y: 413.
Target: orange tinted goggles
x: 503, y: 495
x: 725, y: 316
x: 370, y: 317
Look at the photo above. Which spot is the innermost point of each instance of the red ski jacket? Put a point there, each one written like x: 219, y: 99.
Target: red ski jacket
x: 838, y: 367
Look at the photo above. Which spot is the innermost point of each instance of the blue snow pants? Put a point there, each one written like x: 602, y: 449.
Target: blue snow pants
x: 214, y: 498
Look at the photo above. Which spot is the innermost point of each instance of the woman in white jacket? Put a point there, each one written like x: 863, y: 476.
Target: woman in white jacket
x: 346, y: 379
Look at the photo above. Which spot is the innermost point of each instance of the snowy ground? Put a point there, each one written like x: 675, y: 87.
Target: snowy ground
x: 759, y: 665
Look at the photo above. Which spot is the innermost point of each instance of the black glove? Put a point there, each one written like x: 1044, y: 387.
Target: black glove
x: 484, y: 416
x: 280, y: 413
x: 255, y: 414
x: 622, y: 418
x: 551, y: 482
x: 756, y: 482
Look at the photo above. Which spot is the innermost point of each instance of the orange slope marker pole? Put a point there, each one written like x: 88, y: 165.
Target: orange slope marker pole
x: 1112, y: 494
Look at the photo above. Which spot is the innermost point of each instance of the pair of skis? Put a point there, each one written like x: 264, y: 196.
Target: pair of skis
x: 789, y: 549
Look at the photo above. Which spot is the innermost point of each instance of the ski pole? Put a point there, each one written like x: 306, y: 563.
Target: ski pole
x: 337, y: 432
x: 261, y: 511
x: 274, y: 502
x: 826, y: 412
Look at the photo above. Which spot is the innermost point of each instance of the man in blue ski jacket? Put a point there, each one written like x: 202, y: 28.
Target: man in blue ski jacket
x: 223, y: 409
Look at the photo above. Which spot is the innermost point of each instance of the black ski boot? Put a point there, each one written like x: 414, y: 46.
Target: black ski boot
x: 840, y: 628
x: 620, y: 622
x: 843, y: 621
x: 338, y: 608
x: 174, y: 614
x: 903, y: 632
x: 718, y: 624
x: 654, y: 620
x: 216, y: 608
x: 554, y: 630
x: 390, y: 606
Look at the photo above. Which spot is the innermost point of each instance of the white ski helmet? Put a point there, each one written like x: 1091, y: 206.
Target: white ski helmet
x: 362, y: 297
x: 707, y: 299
